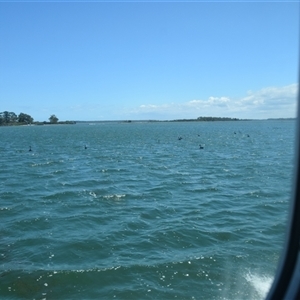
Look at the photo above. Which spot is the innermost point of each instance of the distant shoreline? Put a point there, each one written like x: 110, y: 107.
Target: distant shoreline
x: 37, y: 123
x: 201, y: 119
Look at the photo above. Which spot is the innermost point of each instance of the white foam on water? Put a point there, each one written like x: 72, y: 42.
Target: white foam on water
x: 115, y: 196
x: 260, y: 283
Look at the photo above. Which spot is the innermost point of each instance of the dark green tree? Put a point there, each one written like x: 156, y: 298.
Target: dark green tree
x: 13, y: 117
x: 24, y: 118
x: 53, y: 119
x: 7, y: 117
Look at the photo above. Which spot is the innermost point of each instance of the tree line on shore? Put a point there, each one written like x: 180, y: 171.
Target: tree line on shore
x: 207, y: 119
x: 10, y: 118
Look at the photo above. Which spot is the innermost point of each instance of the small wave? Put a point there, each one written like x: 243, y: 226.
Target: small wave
x: 260, y: 283
x: 114, y: 196
x: 5, y: 208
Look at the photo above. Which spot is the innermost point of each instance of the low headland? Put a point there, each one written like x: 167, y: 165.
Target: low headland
x: 11, y: 119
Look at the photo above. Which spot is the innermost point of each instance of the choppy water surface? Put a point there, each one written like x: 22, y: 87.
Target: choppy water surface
x: 140, y: 214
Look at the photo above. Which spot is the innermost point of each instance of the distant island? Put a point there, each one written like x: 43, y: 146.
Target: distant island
x: 212, y: 119
x: 205, y: 119
x: 11, y: 119
x: 199, y: 119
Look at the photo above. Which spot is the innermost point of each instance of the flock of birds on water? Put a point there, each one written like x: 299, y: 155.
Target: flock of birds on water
x: 201, y: 146
x: 179, y: 138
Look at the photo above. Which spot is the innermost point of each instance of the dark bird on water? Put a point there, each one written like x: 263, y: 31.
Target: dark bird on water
x: 201, y: 147
x: 29, y: 148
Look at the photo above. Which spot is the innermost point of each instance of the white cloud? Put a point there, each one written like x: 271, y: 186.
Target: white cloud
x: 269, y: 102
x: 272, y: 96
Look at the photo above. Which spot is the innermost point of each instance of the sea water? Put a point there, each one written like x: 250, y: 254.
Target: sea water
x: 136, y: 210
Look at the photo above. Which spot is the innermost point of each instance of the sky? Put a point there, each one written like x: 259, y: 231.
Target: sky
x: 143, y: 60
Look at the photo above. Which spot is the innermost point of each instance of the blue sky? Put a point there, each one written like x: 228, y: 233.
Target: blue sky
x: 149, y: 60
